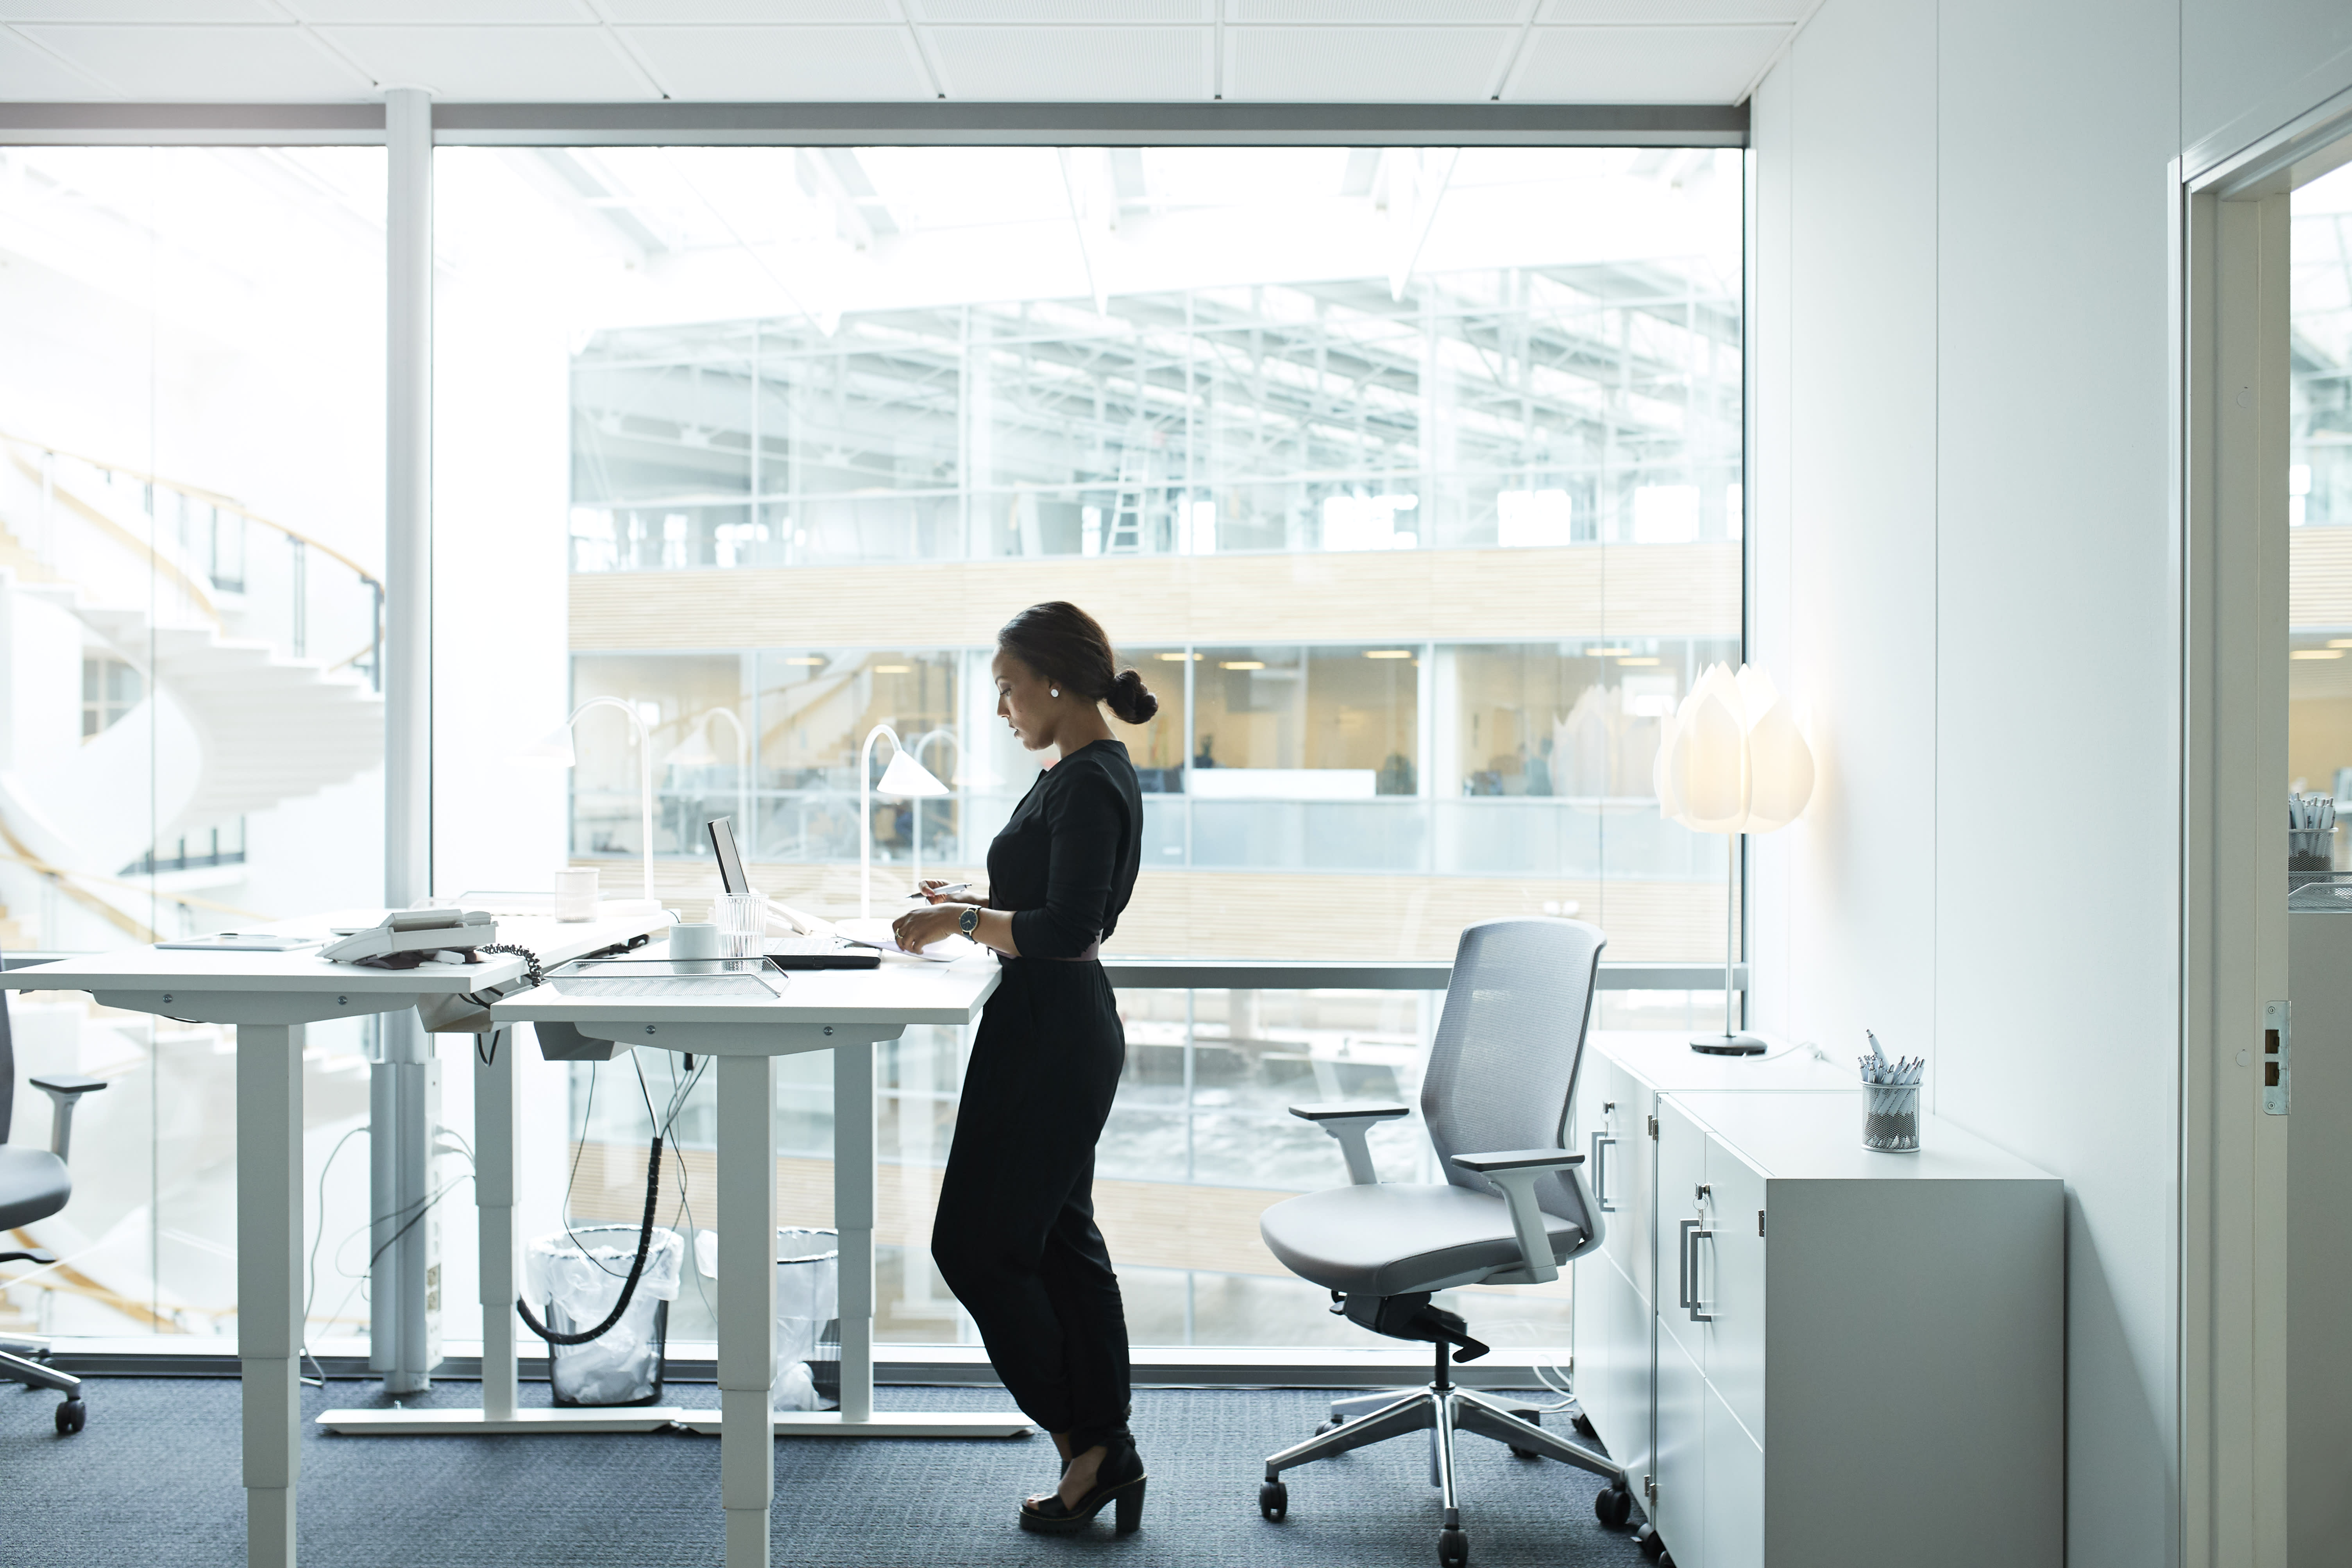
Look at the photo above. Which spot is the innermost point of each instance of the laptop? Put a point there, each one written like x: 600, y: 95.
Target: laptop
x: 784, y: 952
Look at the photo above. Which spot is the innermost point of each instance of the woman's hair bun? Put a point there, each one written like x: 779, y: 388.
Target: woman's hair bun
x: 1131, y: 699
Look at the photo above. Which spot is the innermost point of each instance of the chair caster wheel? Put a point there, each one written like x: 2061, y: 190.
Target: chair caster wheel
x: 1331, y: 1426
x: 1652, y: 1549
x: 1613, y: 1507
x: 1524, y: 1453
x: 1273, y: 1500
x: 72, y: 1415
x: 1584, y: 1427
x: 1453, y: 1549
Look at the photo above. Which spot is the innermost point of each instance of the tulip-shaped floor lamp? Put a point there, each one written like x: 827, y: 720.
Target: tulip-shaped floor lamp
x: 904, y: 779
x: 696, y: 752
x: 1732, y: 760
x: 556, y: 747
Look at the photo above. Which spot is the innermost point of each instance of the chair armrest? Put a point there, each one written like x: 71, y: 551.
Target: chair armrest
x: 1515, y: 1170
x: 65, y: 1093
x: 1350, y: 1123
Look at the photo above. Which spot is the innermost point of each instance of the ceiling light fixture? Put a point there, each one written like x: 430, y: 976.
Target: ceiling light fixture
x: 1242, y: 664
x: 1637, y: 661
x: 1389, y: 653
x: 2317, y: 653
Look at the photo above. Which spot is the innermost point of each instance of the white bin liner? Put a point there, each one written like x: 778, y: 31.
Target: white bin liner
x: 624, y: 1366
x: 808, y: 1296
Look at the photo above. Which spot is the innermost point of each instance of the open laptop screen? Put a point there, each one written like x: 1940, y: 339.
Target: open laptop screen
x: 730, y: 859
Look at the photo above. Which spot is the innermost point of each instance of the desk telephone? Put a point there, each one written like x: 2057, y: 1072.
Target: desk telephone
x: 414, y: 931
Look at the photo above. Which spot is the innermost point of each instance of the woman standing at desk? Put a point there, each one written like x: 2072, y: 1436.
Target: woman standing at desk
x: 1016, y: 1237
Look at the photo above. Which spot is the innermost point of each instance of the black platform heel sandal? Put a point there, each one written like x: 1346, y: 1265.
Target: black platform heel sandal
x: 1119, y: 1483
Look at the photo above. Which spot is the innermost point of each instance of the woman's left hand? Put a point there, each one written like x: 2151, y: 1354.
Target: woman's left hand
x: 918, y: 929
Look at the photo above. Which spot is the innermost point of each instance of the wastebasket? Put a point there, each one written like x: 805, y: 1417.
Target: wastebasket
x: 578, y: 1274
x: 808, y: 1313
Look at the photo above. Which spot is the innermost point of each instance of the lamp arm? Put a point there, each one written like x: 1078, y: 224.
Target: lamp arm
x: 865, y: 815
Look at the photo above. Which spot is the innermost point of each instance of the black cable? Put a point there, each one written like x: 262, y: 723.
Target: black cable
x: 629, y: 1285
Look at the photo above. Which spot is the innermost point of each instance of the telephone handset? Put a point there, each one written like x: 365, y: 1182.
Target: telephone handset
x: 414, y: 931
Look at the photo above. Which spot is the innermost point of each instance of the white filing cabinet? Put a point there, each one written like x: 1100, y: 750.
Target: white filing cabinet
x: 1860, y: 1357
x: 1615, y: 1293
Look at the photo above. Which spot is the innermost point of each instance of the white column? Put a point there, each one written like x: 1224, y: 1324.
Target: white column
x: 746, y: 1304
x: 400, y: 1163
x: 494, y: 1201
x: 853, y: 1217
x: 270, y: 1282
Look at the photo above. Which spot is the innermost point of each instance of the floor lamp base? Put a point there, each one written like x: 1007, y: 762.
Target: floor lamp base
x: 1729, y: 1046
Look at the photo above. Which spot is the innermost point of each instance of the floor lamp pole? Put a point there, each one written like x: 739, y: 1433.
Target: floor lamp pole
x: 1731, y: 1042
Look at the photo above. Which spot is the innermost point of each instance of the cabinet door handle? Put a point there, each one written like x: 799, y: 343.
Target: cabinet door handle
x: 1601, y: 1144
x: 1693, y: 1233
x: 1683, y: 1261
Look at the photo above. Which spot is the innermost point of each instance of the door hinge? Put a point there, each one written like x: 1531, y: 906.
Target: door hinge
x: 2278, y: 1053
x: 1654, y: 1127
x: 1760, y: 1222
x: 1650, y: 1487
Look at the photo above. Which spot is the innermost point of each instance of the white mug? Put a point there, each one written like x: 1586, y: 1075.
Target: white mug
x: 694, y: 939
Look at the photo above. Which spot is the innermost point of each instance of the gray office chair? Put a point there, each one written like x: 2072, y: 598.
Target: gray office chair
x: 33, y: 1186
x: 1513, y: 1207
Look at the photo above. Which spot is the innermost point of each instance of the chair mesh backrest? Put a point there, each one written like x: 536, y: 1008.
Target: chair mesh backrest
x: 1508, y: 1045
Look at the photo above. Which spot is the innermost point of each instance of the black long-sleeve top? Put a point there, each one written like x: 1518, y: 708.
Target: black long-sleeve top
x: 1066, y: 860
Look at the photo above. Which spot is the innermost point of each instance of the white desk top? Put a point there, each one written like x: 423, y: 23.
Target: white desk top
x: 902, y: 991
x: 1817, y: 1138
x: 1666, y: 1062
x: 153, y: 969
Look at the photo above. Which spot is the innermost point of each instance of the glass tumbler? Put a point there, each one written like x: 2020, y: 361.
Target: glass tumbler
x: 742, y: 921
x: 576, y: 893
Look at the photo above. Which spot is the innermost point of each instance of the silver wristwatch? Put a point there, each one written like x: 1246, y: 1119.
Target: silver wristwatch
x: 968, y: 922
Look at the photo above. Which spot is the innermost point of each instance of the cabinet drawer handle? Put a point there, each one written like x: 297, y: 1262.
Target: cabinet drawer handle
x: 1693, y: 1233
x: 1601, y: 1144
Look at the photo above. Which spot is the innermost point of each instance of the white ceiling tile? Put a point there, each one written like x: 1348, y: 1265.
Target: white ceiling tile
x: 1076, y: 65
x: 1639, y: 65
x: 738, y: 65
x: 259, y: 11
x: 209, y: 64
x: 498, y: 65
x: 1364, y: 65
x: 32, y: 75
x: 1098, y: 12
x: 1654, y: 12
x: 1429, y: 13
x: 425, y: 12
x: 685, y: 11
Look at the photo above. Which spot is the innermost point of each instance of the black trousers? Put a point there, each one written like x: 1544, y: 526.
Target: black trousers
x: 1014, y: 1236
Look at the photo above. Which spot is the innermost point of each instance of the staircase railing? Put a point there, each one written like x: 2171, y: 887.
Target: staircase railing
x: 96, y: 524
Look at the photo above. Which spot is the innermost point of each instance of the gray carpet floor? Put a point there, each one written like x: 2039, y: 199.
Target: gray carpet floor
x: 154, y: 1480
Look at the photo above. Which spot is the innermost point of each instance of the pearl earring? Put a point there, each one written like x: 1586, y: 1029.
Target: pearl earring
x: 1054, y: 691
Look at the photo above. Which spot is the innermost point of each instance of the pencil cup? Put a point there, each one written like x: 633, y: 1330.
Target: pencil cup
x: 1890, y: 1117
x: 742, y: 919
x: 2309, y: 853
x: 694, y: 943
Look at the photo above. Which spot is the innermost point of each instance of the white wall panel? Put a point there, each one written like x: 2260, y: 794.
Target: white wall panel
x: 140, y: 11
x: 1641, y: 65
x: 421, y: 11
x: 745, y: 11
x: 1365, y: 65
x: 1390, y: 11
x: 1665, y: 12
x: 265, y: 65
x: 2247, y: 67
x: 500, y: 64
x: 751, y: 63
x: 1096, y: 13
x: 1856, y: 646
x: 1082, y: 65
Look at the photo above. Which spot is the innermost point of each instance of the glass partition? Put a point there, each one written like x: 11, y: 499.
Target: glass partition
x: 191, y: 726
x: 2319, y: 496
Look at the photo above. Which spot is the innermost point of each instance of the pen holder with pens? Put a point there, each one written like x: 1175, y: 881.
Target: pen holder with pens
x: 2310, y: 852
x: 1890, y: 1117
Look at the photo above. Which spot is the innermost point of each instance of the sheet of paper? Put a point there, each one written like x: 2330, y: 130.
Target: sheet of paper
x: 876, y: 933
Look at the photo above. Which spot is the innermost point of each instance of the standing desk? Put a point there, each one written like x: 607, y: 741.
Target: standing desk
x: 844, y: 1011
x: 269, y: 997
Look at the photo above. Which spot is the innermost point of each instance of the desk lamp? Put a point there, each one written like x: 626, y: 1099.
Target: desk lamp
x: 1732, y: 760
x: 904, y: 779
x: 696, y: 752
x: 556, y: 747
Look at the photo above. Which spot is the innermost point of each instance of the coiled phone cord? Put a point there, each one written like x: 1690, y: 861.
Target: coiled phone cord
x: 629, y: 1285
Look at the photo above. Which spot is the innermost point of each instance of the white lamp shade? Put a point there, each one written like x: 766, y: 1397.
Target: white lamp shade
x: 907, y: 779
x: 553, y: 748
x: 1732, y: 759
x: 695, y: 752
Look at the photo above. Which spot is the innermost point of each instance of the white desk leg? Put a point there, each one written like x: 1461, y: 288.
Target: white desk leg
x: 494, y: 1185
x: 270, y: 1282
x: 853, y: 1217
x: 747, y: 1303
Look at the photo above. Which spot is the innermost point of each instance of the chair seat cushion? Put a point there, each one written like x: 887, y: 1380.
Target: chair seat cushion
x: 1391, y: 1240
x: 32, y: 1185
